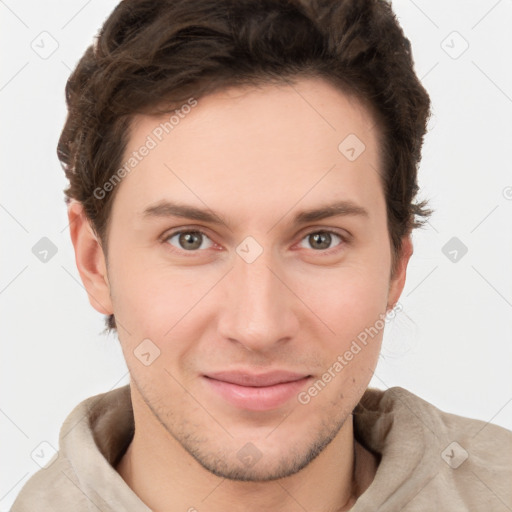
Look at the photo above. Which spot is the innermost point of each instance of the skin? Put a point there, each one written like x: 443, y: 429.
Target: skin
x: 256, y: 157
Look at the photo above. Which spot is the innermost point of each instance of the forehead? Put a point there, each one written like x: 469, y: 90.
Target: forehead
x: 305, y: 139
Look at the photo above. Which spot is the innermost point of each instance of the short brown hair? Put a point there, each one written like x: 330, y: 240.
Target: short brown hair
x: 150, y: 55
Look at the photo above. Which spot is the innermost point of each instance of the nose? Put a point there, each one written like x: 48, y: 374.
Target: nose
x: 259, y: 310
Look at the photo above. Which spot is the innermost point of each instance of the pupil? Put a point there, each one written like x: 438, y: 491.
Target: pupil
x: 318, y: 236
x: 188, y: 238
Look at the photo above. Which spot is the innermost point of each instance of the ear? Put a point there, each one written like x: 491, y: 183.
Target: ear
x: 397, y: 281
x: 89, y: 258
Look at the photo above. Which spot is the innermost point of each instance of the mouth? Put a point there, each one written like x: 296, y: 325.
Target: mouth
x: 256, y: 392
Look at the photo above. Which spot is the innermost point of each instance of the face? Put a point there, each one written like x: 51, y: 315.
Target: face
x: 256, y: 283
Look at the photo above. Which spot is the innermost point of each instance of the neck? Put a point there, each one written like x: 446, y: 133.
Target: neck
x: 166, y: 477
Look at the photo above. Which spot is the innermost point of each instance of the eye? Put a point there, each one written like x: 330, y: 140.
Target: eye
x: 190, y: 240
x: 321, y: 240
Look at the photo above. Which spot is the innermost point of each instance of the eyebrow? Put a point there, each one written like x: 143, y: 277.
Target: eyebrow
x: 166, y: 208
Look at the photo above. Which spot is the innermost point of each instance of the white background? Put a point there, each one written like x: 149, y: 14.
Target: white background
x: 452, y: 344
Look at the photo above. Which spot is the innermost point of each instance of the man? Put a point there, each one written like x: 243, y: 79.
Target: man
x: 241, y: 203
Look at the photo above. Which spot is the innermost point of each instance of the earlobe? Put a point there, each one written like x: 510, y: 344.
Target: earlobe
x: 90, y: 259
x: 397, y: 282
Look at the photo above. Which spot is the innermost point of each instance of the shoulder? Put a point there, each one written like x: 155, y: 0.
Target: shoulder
x: 87, y: 442
x: 467, y: 461
x: 54, y: 487
x: 484, y: 438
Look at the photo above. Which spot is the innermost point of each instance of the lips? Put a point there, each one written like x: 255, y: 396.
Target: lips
x: 256, y: 392
x: 257, y: 380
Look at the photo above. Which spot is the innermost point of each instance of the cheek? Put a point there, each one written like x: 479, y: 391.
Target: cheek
x: 352, y: 315
x: 355, y: 312
x: 351, y: 295
x: 352, y: 303
x: 155, y: 299
x: 151, y: 307
x: 136, y: 292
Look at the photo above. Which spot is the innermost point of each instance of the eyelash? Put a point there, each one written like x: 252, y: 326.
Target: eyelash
x: 344, y: 240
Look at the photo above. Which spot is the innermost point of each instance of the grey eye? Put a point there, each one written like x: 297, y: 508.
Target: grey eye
x: 189, y: 240
x: 320, y: 240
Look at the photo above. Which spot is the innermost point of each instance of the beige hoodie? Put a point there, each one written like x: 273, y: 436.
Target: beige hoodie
x: 430, y: 460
